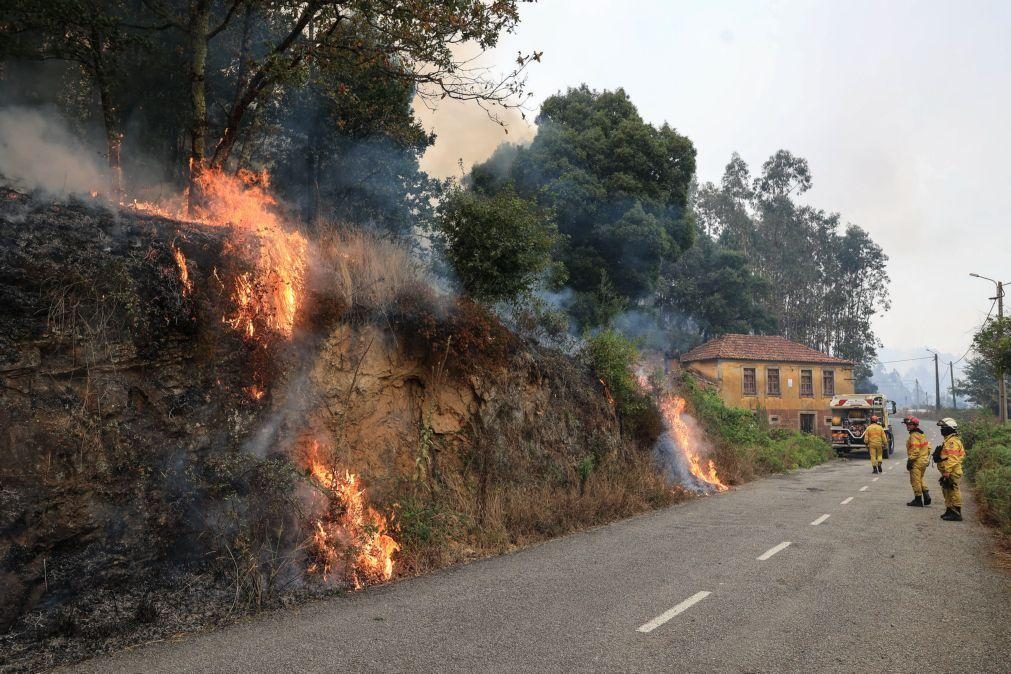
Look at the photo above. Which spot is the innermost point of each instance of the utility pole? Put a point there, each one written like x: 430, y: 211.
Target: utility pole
x: 937, y: 386
x: 1001, y: 383
x: 951, y: 371
x: 917, y: 396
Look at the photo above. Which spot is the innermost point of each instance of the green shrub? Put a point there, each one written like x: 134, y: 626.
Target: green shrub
x: 993, y: 491
x: 745, y: 444
x: 988, y: 465
x: 612, y: 356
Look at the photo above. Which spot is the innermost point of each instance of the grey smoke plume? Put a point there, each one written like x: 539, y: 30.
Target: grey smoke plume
x: 673, y: 460
x: 39, y: 152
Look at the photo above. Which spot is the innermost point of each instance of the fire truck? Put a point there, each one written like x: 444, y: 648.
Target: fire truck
x: 851, y: 414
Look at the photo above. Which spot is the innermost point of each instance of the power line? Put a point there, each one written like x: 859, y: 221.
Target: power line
x: 904, y: 360
x: 988, y: 314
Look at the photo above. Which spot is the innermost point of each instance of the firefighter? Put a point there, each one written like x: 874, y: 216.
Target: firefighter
x: 875, y: 438
x: 918, y: 450
x: 948, y: 457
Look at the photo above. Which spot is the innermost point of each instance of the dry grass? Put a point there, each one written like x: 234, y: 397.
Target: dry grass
x: 363, y: 272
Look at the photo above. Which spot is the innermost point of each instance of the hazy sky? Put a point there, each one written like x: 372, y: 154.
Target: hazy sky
x: 901, y: 108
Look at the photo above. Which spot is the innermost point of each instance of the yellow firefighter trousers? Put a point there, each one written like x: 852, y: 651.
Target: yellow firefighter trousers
x: 953, y: 496
x: 875, y: 450
x: 916, y: 474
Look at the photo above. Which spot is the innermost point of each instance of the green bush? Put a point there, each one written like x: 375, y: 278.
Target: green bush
x: 745, y: 444
x: 988, y: 465
x: 612, y: 356
x: 992, y: 487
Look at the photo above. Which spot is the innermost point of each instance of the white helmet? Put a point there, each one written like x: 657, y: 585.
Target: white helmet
x: 948, y: 423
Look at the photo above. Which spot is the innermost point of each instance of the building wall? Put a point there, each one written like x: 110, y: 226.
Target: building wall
x: 785, y: 409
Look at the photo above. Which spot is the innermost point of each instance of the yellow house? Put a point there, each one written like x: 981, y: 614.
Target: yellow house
x: 791, y: 383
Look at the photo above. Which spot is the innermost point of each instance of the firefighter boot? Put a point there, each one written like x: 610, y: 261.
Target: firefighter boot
x: 874, y: 468
x: 958, y: 514
x: 916, y: 502
x: 926, y: 497
x: 951, y: 515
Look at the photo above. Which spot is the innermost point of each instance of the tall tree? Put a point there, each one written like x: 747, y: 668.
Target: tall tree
x: 415, y: 43
x: 826, y: 281
x: 618, y: 187
x: 89, y: 33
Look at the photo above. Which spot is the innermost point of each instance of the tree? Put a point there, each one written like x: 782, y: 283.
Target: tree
x: 88, y: 33
x: 414, y: 43
x: 618, y: 188
x: 347, y: 149
x: 979, y: 384
x: 499, y: 245
x: 716, y: 288
x: 826, y: 281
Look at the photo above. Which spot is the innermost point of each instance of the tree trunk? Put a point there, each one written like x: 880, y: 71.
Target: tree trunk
x: 199, y: 29
x: 110, y: 118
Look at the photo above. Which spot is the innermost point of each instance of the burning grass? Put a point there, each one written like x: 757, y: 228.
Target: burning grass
x: 351, y: 541
x: 363, y: 273
x: 743, y: 447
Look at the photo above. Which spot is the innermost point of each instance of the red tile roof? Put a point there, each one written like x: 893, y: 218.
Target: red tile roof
x: 759, y: 347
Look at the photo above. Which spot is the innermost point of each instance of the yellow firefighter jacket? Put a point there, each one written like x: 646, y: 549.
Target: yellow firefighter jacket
x: 874, y: 436
x: 952, y: 455
x: 917, y: 446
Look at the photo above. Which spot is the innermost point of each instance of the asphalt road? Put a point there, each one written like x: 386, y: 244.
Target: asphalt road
x: 874, y: 586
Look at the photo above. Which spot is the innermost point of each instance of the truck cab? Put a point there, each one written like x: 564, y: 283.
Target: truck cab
x: 851, y: 414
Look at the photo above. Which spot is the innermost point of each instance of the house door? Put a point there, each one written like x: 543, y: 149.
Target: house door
x: 807, y: 420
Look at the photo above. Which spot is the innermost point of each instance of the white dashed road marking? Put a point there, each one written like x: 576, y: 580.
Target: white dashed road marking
x: 863, y: 488
x: 771, y: 551
x: 875, y: 479
x: 846, y: 501
x: 667, y: 615
x: 819, y: 520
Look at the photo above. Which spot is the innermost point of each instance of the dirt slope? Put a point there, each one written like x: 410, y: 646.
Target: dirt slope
x: 153, y: 461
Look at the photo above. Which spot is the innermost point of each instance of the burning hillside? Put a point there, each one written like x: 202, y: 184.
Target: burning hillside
x: 163, y: 378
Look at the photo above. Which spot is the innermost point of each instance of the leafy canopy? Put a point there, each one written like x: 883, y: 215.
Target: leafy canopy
x: 618, y: 187
x: 499, y: 244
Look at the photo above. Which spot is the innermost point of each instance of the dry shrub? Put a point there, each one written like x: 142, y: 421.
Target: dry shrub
x: 363, y: 273
x: 458, y: 331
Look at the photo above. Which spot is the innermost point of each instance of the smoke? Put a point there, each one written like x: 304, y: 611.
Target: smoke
x: 673, y: 460
x: 466, y: 135
x: 39, y: 152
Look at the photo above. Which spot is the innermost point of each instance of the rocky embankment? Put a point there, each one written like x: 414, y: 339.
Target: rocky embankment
x: 159, y: 468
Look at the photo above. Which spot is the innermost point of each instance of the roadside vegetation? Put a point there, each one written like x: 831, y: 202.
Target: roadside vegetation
x: 745, y: 447
x: 988, y: 466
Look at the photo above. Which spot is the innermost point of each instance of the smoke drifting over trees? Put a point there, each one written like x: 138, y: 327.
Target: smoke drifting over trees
x: 324, y: 98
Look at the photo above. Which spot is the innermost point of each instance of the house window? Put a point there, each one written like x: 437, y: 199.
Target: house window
x: 807, y: 422
x: 828, y: 383
x: 828, y: 421
x: 750, y: 384
x: 772, y: 381
x: 806, y: 384
x: 773, y: 419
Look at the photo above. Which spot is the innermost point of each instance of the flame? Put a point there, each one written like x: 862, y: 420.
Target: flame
x: 607, y: 391
x: 352, y: 539
x: 672, y: 407
x: 256, y: 392
x: 184, y: 272
x: 269, y: 294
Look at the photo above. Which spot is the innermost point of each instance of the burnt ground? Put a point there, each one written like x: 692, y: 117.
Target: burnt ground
x: 137, y: 498
x: 120, y: 399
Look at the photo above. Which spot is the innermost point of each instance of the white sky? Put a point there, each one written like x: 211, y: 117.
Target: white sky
x: 901, y: 109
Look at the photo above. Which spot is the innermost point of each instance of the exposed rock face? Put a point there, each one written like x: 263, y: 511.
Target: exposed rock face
x: 137, y: 470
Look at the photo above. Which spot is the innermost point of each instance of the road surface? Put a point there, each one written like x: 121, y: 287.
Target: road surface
x: 818, y: 570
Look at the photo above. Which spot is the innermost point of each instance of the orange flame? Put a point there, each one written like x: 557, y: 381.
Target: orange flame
x: 352, y: 538
x: 255, y: 392
x: 184, y: 272
x: 672, y: 408
x: 270, y: 293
